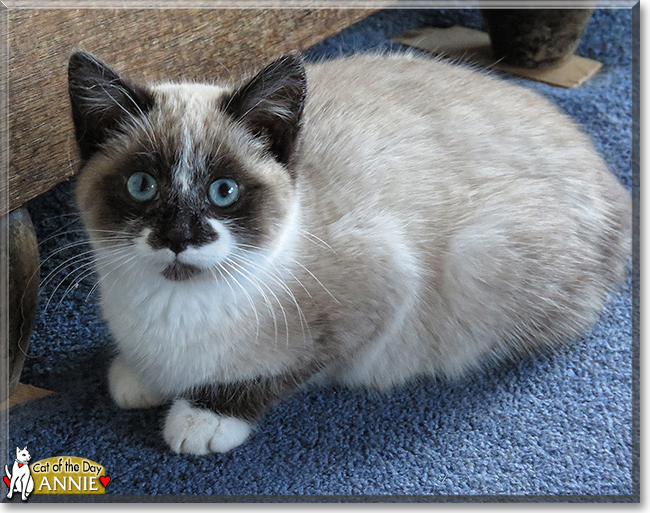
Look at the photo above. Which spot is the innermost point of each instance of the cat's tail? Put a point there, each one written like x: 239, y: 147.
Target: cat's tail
x: 7, y: 471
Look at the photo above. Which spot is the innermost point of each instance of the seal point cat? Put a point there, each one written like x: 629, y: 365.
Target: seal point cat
x: 361, y: 221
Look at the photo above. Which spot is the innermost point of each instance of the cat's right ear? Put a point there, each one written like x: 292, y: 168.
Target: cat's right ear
x: 102, y: 101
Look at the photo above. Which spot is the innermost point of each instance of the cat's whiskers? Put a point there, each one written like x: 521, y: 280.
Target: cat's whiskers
x: 87, y: 255
x: 75, y: 258
x: 135, y: 260
x: 315, y: 239
x: 64, y: 248
x: 250, y: 300
x: 275, y: 266
x: 93, y: 261
x: 90, y: 268
x: 257, y: 283
x: 276, y: 279
x: 61, y: 231
x: 317, y: 280
x: 113, y: 232
x: 260, y: 251
x: 81, y: 243
x: 218, y: 269
x: 82, y: 271
x: 267, y: 302
x: 290, y: 272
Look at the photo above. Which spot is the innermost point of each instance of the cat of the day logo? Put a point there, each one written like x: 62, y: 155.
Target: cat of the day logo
x: 54, y: 476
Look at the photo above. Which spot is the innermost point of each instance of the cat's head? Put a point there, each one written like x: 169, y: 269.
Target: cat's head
x: 23, y: 454
x: 186, y: 176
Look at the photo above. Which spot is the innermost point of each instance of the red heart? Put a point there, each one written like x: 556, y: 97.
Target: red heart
x: 20, y: 465
x: 6, y: 480
x: 104, y: 480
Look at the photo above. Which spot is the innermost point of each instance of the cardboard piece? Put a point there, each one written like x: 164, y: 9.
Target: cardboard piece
x: 22, y: 394
x: 473, y: 46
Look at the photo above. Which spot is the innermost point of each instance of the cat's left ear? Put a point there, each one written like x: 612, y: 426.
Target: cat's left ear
x: 270, y: 105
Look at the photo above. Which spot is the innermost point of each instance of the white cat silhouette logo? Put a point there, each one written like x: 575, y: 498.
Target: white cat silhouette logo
x: 20, y: 480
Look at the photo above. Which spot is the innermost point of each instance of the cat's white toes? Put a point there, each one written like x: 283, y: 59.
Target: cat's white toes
x: 127, y: 390
x: 191, y: 430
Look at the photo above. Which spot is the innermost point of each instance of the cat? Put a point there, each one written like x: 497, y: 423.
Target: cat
x: 21, y: 479
x: 362, y: 221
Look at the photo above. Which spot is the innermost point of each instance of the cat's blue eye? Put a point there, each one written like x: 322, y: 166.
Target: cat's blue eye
x: 224, y: 192
x: 142, y: 186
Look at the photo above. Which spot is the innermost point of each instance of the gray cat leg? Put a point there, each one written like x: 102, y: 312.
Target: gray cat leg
x: 247, y: 400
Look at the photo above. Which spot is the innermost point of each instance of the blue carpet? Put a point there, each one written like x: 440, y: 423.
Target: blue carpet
x: 560, y: 424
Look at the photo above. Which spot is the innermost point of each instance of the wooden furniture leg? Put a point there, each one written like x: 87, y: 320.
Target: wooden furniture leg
x: 23, y: 286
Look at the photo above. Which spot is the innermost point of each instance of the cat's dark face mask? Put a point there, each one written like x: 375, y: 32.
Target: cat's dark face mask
x: 191, y: 180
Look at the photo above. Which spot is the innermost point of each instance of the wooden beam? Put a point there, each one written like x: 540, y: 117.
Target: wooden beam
x: 22, y: 394
x: 144, y: 44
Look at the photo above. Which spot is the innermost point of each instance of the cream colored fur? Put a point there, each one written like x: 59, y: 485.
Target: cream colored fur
x: 441, y: 219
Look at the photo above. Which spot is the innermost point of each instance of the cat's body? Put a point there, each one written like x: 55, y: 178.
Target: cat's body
x: 20, y: 477
x: 410, y: 218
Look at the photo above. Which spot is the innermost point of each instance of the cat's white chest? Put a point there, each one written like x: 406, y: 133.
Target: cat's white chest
x: 176, y: 335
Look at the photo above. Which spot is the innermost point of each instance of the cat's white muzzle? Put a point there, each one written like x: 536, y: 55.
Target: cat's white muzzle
x: 207, y: 256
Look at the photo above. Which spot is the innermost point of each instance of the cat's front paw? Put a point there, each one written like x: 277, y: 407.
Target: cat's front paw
x: 191, y: 430
x: 127, y: 390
